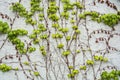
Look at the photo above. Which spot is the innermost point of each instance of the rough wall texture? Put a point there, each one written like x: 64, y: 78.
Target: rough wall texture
x: 54, y: 66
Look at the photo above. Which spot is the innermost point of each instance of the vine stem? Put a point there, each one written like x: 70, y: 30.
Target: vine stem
x: 3, y: 43
x: 88, y: 41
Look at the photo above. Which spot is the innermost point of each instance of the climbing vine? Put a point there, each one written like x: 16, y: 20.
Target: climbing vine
x: 57, y: 39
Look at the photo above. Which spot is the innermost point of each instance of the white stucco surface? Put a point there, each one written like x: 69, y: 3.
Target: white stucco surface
x: 36, y: 57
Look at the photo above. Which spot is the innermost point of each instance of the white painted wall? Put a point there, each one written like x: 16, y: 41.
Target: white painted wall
x: 8, y: 48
